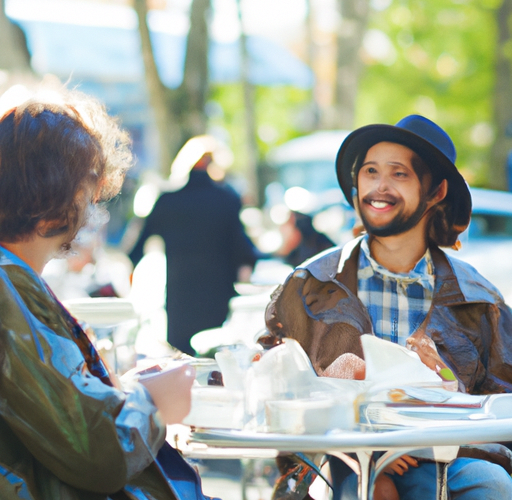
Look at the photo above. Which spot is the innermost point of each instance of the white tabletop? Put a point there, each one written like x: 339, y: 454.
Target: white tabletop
x: 459, y: 433
x: 495, y: 427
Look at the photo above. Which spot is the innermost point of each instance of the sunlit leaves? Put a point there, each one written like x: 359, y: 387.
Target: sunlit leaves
x: 443, y: 67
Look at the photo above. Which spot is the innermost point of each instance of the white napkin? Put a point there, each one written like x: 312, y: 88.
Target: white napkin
x: 389, y: 364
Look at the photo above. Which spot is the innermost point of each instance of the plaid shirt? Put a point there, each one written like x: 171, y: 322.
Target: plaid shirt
x: 397, y: 303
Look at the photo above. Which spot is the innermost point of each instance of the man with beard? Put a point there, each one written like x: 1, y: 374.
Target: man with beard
x: 395, y: 282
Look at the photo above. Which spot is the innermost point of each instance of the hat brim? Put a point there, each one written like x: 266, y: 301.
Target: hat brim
x: 358, y: 142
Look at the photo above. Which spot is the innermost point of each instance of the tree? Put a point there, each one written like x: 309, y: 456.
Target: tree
x: 502, y: 146
x: 14, y: 56
x: 179, y: 113
x: 335, y: 57
x: 354, y: 19
x: 423, y: 57
x: 249, y: 100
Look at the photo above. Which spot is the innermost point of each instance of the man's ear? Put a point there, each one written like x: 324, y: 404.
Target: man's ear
x: 439, y: 194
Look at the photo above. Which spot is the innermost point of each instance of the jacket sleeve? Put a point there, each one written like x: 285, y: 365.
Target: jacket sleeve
x: 145, y: 227
x: 90, y: 435
x: 243, y: 250
x: 499, y: 369
x: 322, y: 316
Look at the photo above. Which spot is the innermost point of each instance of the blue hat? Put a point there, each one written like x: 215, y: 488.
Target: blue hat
x: 429, y: 141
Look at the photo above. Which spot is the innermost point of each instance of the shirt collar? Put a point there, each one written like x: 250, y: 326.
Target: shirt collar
x: 423, y: 272
x: 7, y: 258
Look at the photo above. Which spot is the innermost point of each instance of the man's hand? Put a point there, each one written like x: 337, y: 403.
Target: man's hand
x: 426, y: 349
x: 401, y: 465
x: 347, y: 366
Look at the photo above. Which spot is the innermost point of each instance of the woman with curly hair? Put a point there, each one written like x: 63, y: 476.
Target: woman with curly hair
x: 67, y: 429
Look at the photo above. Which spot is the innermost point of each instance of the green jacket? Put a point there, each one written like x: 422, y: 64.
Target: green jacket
x: 64, y: 433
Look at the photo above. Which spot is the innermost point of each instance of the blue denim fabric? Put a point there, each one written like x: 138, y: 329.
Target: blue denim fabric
x: 468, y: 479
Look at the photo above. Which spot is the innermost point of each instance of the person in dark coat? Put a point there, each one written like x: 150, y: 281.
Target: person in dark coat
x: 305, y: 240
x: 205, y: 246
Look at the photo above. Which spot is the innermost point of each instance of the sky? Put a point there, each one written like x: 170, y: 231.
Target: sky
x: 281, y: 21
x: 275, y: 19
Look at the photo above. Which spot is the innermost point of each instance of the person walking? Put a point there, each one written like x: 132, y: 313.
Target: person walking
x: 205, y: 246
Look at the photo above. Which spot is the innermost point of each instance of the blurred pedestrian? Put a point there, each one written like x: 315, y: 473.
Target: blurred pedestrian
x: 205, y: 244
x: 302, y: 240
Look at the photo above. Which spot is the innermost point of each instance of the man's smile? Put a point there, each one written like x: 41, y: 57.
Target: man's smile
x: 380, y: 202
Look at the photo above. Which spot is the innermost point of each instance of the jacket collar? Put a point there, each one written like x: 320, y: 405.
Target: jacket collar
x: 336, y: 264
x: 456, y: 282
x: 459, y: 282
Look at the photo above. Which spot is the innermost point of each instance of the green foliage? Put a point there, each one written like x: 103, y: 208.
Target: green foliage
x: 283, y: 108
x: 279, y: 116
x: 440, y: 63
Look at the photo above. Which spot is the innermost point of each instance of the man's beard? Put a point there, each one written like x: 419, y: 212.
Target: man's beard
x: 400, y: 224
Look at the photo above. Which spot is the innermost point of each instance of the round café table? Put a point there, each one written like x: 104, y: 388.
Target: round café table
x: 496, y: 426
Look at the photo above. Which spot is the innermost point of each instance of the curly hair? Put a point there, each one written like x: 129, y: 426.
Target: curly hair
x: 59, y: 152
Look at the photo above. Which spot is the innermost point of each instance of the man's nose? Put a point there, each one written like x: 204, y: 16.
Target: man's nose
x: 382, y: 183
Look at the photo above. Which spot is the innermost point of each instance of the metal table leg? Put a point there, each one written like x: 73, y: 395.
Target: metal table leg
x: 390, y: 456
x: 363, y: 467
x: 366, y: 465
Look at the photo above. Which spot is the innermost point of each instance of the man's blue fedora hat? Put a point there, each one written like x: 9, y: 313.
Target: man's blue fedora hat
x: 426, y: 139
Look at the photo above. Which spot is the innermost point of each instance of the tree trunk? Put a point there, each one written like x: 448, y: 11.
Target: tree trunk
x: 179, y: 113
x: 311, y: 55
x: 253, y: 154
x: 194, y: 88
x: 14, y: 56
x: 158, y: 94
x: 499, y: 174
x: 354, y: 15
